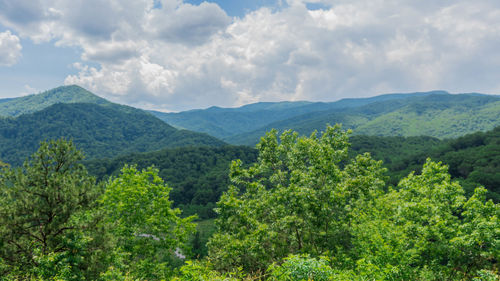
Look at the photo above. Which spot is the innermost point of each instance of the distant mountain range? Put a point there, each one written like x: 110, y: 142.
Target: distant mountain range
x: 105, y: 129
x: 437, y: 113
x: 101, y: 129
x: 196, y: 163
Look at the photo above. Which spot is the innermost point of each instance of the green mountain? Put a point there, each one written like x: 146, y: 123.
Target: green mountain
x: 228, y: 123
x: 439, y: 115
x: 32, y: 103
x: 100, y: 131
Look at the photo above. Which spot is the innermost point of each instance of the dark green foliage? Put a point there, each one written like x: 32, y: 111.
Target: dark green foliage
x: 101, y: 131
x: 33, y: 103
x: 197, y: 175
x: 45, y: 226
x: 204, y: 230
x: 473, y: 159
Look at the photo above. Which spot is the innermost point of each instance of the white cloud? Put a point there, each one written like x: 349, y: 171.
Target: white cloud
x: 10, y: 48
x: 184, y: 56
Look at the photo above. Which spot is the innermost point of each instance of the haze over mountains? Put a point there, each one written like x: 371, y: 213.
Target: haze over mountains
x: 105, y: 129
x: 438, y: 114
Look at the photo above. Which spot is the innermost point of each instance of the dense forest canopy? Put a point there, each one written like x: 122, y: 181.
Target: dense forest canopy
x: 304, y: 210
x: 199, y: 175
x: 101, y: 131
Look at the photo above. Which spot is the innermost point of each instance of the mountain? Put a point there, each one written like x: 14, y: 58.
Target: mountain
x: 229, y: 122
x: 440, y: 115
x: 100, y: 131
x: 32, y: 103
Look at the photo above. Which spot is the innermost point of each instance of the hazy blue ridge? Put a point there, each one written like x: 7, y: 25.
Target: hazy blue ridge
x: 439, y: 115
x: 230, y: 122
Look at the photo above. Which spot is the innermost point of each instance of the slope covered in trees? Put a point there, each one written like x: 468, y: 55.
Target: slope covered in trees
x: 101, y: 131
x: 197, y: 175
x: 474, y: 159
x: 297, y: 214
x: 37, y: 102
x: 230, y: 122
x: 438, y: 114
x: 305, y: 210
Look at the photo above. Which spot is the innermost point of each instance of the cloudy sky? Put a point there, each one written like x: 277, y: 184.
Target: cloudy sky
x: 175, y: 55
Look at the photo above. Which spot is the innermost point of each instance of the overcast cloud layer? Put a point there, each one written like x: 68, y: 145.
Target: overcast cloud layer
x: 171, y: 55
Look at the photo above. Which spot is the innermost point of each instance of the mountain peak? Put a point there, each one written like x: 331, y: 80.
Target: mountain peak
x: 35, y: 102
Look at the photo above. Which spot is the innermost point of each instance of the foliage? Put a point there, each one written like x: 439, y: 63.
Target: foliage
x: 427, y: 230
x: 197, y: 175
x: 295, y: 199
x: 101, y: 131
x: 147, y: 229
x: 45, y: 226
x: 204, y: 271
x: 204, y: 230
x: 302, y: 267
x: 298, y: 199
x: 472, y: 159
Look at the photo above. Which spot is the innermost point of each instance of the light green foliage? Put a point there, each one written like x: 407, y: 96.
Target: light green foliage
x: 45, y: 227
x: 204, y: 271
x: 147, y: 229
x: 197, y: 175
x: 295, y: 199
x: 302, y: 267
x: 427, y: 230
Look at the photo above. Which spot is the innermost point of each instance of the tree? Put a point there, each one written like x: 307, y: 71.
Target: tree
x: 43, y: 212
x: 295, y: 199
x: 427, y: 229
x: 147, y: 229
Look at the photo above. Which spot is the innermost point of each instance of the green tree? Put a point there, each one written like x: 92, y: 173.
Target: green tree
x: 295, y: 199
x: 427, y: 229
x: 148, y: 230
x: 45, y: 224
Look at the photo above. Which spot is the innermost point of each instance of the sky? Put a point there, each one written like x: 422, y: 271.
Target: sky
x: 174, y: 55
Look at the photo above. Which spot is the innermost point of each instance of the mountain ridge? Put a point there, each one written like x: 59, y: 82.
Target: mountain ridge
x: 100, y: 131
x: 13, y: 107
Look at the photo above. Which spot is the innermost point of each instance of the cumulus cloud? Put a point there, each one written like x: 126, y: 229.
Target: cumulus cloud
x: 176, y: 56
x: 10, y: 48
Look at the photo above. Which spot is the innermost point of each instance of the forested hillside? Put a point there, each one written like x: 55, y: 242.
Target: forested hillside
x: 101, y: 131
x: 229, y: 122
x: 439, y: 115
x: 304, y: 210
x: 197, y: 175
x: 474, y: 159
x: 37, y: 102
